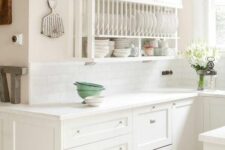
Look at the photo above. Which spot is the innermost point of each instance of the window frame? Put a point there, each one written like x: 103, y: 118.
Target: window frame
x: 211, y: 17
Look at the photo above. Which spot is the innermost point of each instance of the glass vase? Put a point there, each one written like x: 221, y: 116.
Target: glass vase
x: 201, y: 81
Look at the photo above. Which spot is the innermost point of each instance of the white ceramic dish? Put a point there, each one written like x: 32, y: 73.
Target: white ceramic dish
x: 94, y: 101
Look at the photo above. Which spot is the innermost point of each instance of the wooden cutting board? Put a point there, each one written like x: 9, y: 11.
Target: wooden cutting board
x: 5, y: 12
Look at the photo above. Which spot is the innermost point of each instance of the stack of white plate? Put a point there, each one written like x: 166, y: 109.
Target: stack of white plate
x: 122, y: 52
x: 122, y: 43
x: 101, y: 48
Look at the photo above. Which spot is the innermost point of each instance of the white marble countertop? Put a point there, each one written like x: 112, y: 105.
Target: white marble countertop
x: 110, y: 104
x: 216, y: 136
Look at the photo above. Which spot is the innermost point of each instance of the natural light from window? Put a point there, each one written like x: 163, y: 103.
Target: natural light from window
x: 220, y: 23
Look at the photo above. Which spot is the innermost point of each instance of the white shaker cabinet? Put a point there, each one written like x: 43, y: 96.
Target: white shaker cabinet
x: 27, y: 132
x: 166, y: 148
x: 184, y: 134
x: 120, y: 143
x: 214, y: 108
x: 146, y: 127
x: 85, y: 130
x: 152, y: 127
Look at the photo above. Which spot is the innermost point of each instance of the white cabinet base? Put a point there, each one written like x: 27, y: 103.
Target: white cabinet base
x: 120, y: 143
x: 152, y: 127
x: 208, y: 146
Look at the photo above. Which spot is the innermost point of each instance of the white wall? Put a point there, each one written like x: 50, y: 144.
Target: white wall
x: 51, y: 82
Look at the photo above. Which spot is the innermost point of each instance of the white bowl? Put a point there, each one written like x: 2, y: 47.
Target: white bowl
x: 121, y: 55
x: 122, y: 50
x: 94, y: 100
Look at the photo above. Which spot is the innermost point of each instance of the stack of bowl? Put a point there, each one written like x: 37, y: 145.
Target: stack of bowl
x: 85, y: 89
x: 122, y: 52
x: 102, y: 48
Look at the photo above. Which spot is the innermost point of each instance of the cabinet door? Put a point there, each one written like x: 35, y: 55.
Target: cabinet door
x: 30, y: 136
x: 78, y: 132
x: 214, y: 110
x: 184, y: 134
x: 120, y: 143
x: 152, y: 127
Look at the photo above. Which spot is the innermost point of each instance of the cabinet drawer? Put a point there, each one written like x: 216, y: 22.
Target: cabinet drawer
x: 120, y: 143
x: 91, y: 129
x: 153, y: 127
x: 165, y: 148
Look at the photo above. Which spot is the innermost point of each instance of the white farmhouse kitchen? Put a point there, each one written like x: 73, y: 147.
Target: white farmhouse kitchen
x: 112, y: 75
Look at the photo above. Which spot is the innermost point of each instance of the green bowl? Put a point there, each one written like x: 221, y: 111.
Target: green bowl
x: 83, y: 86
x: 85, y: 93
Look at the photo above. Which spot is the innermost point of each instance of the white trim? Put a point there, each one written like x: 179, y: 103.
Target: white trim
x: 211, y: 25
x: 211, y: 21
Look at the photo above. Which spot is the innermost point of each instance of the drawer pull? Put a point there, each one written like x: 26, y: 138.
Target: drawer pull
x: 78, y: 132
x: 152, y: 121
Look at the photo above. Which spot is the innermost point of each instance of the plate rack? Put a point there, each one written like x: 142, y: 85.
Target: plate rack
x: 125, y: 19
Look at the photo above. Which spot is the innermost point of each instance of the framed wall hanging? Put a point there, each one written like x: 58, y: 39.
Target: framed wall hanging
x: 5, y: 12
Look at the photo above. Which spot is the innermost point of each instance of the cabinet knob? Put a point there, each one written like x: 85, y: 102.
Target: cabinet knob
x: 174, y: 104
x: 78, y: 132
x: 152, y: 121
x: 120, y: 148
x: 153, y: 107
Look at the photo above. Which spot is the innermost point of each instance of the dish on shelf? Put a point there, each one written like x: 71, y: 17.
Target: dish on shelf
x: 148, y: 21
x: 102, y: 48
x: 122, y: 52
x: 122, y: 43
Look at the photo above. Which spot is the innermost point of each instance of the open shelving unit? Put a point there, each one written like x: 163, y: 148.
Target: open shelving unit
x: 124, y: 19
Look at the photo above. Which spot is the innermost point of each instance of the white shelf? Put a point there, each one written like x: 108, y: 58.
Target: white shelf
x: 138, y: 37
x: 164, y: 3
x: 112, y: 19
x: 126, y: 59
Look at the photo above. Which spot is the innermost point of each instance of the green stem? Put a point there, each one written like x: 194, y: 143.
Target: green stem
x: 201, y: 82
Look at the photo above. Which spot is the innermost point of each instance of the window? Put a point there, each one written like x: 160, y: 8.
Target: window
x: 220, y: 23
x: 216, y: 23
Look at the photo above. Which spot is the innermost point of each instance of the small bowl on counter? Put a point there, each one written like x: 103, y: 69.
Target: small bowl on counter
x: 85, y: 90
x: 84, y: 94
x: 85, y: 86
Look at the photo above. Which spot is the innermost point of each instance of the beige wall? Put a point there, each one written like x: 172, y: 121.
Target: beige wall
x: 11, y: 54
x: 186, y: 24
x: 43, y: 48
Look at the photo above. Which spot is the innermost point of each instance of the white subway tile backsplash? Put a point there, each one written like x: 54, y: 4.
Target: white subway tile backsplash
x: 53, y: 82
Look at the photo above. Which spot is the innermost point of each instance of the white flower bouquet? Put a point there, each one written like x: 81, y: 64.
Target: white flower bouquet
x: 199, y: 54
